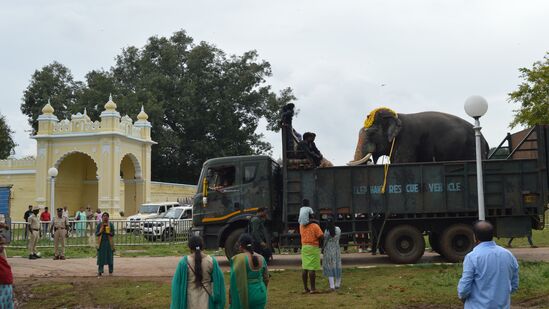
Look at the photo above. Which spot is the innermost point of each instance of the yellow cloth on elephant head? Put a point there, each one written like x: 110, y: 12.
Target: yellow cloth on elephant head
x: 372, y: 115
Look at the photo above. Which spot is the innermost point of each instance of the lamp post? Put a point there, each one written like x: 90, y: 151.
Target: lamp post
x: 52, y: 172
x: 476, y: 106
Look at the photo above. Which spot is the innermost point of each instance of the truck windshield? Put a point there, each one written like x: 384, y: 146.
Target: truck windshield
x: 149, y: 209
x: 173, y: 213
x: 221, y: 177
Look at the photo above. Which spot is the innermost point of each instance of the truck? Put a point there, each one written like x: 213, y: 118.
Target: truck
x: 433, y: 200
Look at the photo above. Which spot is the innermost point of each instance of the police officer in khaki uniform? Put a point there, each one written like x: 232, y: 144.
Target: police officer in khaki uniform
x: 34, y: 232
x: 59, y: 227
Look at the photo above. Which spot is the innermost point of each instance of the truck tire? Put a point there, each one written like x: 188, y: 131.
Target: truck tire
x: 231, y: 243
x: 404, y: 244
x: 434, y: 241
x: 456, y: 241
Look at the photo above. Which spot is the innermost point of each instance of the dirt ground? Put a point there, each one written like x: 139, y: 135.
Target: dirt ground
x: 82, y: 272
x: 165, y: 266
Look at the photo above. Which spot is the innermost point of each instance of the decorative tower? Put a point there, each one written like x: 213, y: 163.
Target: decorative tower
x: 143, y: 123
x: 47, y: 120
x: 143, y: 192
x: 110, y: 118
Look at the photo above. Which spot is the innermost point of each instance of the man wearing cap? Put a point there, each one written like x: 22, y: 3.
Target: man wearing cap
x: 26, y: 218
x: 59, y: 228
x: 308, y: 146
x: 34, y: 232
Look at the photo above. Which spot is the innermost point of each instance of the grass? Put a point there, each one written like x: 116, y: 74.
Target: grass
x: 540, y: 238
x: 421, y: 286
x: 122, y: 251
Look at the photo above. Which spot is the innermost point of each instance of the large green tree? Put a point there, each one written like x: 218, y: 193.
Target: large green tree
x: 201, y: 102
x: 6, y: 141
x: 532, y: 95
x: 53, y: 82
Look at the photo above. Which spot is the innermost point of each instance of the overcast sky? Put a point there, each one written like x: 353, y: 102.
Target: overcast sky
x: 342, y: 58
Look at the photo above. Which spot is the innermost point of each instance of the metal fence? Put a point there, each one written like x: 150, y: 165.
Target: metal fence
x: 130, y: 233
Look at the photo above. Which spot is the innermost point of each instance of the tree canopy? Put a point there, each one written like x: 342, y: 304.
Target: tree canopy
x: 6, y: 141
x: 532, y: 95
x: 201, y: 102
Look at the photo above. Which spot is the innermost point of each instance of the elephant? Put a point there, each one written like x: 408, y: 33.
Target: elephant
x: 419, y: 137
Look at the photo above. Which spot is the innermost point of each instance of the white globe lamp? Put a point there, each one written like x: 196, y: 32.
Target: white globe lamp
x: 476, y: 106
x: 52, y: 172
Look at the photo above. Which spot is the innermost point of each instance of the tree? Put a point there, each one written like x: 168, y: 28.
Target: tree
x: 55, y: 83
x: 201, y: 102
x: 6, y: 141
x: 533, y: 95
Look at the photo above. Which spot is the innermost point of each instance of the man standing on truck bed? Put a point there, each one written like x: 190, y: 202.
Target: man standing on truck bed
x: 259, y: 234
x: 490, y: 272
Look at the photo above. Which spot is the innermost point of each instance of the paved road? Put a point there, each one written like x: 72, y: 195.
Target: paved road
x: 165, y: 266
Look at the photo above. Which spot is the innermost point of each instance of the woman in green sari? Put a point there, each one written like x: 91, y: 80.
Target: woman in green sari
x: 249, y: 277
x: 105, y: 244
x: 198, y: 281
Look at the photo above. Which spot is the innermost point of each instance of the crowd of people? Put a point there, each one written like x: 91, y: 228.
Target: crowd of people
x: 490, y: 272
x: 199, y: 283
x: 58, y: 226
x: 40, y: 223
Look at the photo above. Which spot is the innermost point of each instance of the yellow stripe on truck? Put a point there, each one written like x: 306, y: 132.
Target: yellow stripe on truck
x: 214, y: 219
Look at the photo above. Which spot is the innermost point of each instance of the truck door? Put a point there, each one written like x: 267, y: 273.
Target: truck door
x: 224, y: 189
x: 255, y: 185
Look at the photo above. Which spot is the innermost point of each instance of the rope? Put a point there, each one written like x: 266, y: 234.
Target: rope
x: 386, y: 167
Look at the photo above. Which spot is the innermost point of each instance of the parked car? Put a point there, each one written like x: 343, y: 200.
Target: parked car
x: 148, y: 211
x: 176, y: 223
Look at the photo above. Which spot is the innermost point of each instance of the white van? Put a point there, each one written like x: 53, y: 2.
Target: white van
x: 148, y: 211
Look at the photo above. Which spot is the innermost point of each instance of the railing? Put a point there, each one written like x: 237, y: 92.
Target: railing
x: 127, y: 233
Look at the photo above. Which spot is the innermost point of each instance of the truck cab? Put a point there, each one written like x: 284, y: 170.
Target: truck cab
x: 230, y: 191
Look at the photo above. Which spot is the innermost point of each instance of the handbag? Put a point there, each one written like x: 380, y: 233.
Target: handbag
x: 202, y: 284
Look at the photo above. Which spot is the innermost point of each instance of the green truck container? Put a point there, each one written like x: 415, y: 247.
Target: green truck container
x: 438, y: 199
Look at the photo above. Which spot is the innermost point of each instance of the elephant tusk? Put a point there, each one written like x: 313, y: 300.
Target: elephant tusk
x: 361, y: 161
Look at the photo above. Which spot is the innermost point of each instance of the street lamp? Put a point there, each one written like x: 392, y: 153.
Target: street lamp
x: 476, y: 106
x: 52, y: 172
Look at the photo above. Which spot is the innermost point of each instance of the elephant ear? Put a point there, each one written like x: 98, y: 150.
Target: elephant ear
x: 394, y: 128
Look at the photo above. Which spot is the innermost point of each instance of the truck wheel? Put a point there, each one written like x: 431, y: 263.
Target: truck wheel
x: 231, y: 243
x: 434, y: 241
x: 404, y: 244
x: 456, y: 241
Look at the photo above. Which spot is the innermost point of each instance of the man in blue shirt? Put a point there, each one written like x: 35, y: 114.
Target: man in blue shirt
x: 490, y: 272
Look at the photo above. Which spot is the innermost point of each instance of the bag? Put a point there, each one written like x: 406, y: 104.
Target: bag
x: 202, y: 284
